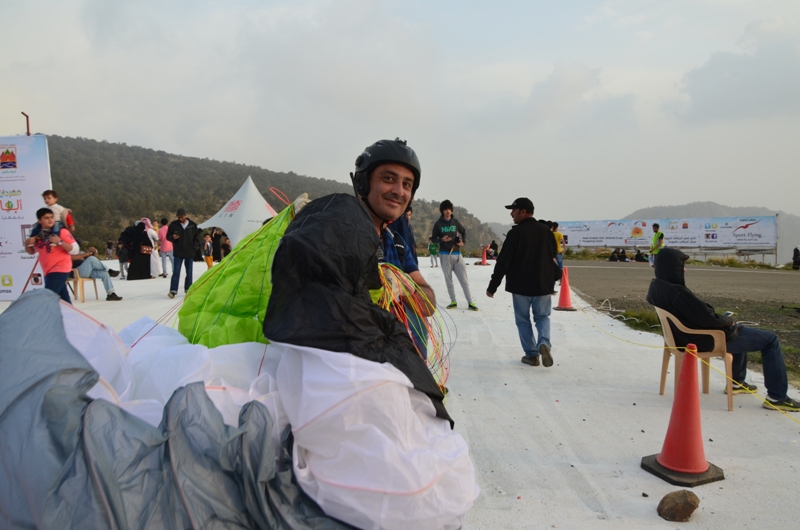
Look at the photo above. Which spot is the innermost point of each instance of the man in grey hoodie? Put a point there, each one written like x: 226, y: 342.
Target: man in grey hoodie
x: 451, y: 236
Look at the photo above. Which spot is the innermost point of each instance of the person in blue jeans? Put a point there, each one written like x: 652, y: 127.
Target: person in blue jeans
x: 527, y: 262
x: 669, y: 292
x: 186, y: 238
x: 89, y: 266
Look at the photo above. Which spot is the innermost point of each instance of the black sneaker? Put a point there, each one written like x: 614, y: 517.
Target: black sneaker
x: 113, y: 297
x: 741, y: 388
x: 547, y: 359
x: 533, y: 360
x: 787, y: 404
x: 113, y: 273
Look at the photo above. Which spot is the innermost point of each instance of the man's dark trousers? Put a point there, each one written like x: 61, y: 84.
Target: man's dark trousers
x: 176, y: 273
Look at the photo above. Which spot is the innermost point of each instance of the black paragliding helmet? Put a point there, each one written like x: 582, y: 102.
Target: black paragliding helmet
x: 384, y: 152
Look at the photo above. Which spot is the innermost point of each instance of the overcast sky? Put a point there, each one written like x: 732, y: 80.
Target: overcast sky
x: 591, y: 109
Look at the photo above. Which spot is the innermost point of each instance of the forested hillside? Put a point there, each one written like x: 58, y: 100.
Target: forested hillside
x: 108, y: 186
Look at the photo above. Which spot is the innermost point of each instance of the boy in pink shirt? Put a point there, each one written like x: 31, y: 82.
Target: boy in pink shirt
x: 53, y: 249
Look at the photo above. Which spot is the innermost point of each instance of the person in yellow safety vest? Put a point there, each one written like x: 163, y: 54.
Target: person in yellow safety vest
x: 656, y: 244
x: 561, y: 246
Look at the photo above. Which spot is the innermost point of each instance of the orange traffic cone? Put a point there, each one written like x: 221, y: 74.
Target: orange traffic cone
x: 483, y: 259
x: 682, y: 460
x: 564, y: 297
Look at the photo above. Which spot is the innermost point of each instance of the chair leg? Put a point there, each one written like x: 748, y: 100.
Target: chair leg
x: 729, y: 385
x: 705, y: 372
x: 97, y: 296
x: 678, y: 363
x: 664, y: 368
x: 83, y: 298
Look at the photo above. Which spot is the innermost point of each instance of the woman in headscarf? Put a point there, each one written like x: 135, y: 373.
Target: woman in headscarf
x: 140, y: 261
x: 796, y: 258
x: 155, y: 259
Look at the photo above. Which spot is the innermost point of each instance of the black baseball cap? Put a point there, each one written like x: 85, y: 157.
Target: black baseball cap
x: 523, y: 203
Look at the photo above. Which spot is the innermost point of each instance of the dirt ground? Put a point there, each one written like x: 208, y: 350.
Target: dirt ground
x: 767, y: 298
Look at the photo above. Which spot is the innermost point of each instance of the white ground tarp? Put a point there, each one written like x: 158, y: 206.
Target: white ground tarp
x: 556, y: 447
x: 243, y: 214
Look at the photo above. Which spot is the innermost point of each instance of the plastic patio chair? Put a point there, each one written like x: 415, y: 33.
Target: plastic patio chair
x: 77, y: 285
x: 719, y: 350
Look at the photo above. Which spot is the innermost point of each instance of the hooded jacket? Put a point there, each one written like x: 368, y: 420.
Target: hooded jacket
x: 669, y: 292
x: 452, y: 228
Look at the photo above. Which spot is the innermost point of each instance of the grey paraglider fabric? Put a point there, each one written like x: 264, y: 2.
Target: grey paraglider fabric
x: 67, y: 461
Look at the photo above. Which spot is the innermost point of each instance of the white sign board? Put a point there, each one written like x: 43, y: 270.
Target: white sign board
x: 24, y: 175
x: 745, y: 233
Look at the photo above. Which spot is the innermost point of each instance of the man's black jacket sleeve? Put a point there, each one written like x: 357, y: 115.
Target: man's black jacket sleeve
x: 504, y: 260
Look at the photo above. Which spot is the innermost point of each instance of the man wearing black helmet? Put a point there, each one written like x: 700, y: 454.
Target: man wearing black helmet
x: 328, y: 262
x: 386, y: 180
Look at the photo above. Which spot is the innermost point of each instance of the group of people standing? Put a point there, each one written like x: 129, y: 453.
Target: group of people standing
x: 146, y: 252
x: 142, y: 250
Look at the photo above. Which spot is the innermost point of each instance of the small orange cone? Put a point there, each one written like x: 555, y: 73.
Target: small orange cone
x: 564, y: 297
x: 483, y: 259
x: 682, y: 460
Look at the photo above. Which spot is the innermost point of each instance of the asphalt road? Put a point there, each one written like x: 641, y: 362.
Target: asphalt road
x: 609, y: 280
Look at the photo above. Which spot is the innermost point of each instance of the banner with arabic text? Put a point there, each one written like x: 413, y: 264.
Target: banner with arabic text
x: 24, y: 175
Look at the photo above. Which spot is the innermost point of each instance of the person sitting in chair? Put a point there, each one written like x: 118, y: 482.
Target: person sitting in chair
x: 669, y: 292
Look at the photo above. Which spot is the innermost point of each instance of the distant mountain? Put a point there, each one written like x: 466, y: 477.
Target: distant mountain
x: 500, y: 230
x: 788, y: 224
x: 108, y: 186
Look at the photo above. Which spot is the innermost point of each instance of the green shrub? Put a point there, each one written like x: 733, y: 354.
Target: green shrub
x: 641, y: 319
x: 725, y: 262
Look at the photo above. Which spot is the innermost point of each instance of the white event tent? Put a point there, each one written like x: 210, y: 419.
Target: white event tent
x: 243, y: 214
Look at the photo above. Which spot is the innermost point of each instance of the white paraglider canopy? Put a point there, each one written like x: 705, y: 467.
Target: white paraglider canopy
x: 243, y: 214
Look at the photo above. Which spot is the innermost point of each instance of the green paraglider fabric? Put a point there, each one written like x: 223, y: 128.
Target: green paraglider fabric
x: 227, y: 304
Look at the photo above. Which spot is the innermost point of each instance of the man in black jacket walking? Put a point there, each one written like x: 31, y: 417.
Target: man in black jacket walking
x: 527, y: 260
x: 185, y: 237
x: 669, y: 292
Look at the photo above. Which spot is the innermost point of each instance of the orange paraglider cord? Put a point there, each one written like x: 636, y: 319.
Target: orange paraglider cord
x: 280, y: 195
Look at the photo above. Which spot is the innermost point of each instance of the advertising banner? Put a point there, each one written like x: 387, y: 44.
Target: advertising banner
x: 741, y: 233
x: 24, y: 175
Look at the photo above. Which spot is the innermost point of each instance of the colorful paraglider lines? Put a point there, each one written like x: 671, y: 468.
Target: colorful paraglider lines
x: 409, y: 304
